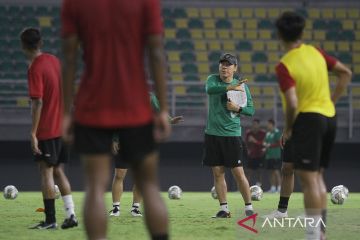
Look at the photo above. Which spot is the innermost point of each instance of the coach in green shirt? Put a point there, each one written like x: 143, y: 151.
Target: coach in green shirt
x: 223, y: 144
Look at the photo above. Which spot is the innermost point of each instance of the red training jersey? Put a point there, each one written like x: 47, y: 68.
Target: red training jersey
x: 113, y: 91
x: 44, y: 79
x: 255, y: 150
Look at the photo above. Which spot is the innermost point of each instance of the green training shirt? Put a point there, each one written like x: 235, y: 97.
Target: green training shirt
x: 273, y: 138
x: 219, y: 120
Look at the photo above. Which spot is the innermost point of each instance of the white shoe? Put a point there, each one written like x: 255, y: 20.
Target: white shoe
x: 276, y: 214
x: 135, y: 212
x: 115, y: 212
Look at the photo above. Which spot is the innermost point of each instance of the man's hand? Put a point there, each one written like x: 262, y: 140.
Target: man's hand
x: 176, y: 120
x: 162, y: 127
x: 237, y: 87
x: 252, y: 139
x: 285, y: 136
x: 232, y: 106
x: 35, y: 145
x: 115, y: 147
x: 67, y: 129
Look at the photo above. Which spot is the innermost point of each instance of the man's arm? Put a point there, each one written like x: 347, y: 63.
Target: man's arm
x: 290, y: 113
x: 36, y: 106
x: 344, y: 77
x: 213, y: 87
x: 249, y: 110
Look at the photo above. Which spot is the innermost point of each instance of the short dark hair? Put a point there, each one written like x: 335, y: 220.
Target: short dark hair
x: 290, y: 26
x: 30, y: 38
x: 271, y: 121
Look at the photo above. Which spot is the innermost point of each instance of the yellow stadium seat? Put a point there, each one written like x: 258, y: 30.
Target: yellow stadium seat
x: 340, y: 13
x: 219, y: 13
x: 173, y: 56
x: 308, y: 24
x: 356, y: 104
x: 319, y: 35
x: 233, y: 12
x: 200, y: 45
x: 250, y: 34
x: 329, y: 46
x: 356, y: 68
x: 314, y: 13
x: 246, y: 12
x: 307, y: 35
x: 257, y: 104
x: 260, y: 68
x: 356, y: 91
x: 229, y: 46
x: 357, y: 35
x: 45, y: 21
x: 202, y: 57
x: 258, y: 46
x: 237, y: 24
x: 315, y: 43
x: 251, y: 24
x: 353, y: 13
x: 177, y: 77
x: 209, y: 23
x: 205, y: 12
x: 271, y: 67
x: 203, y: 67
x: 244, y: 57
x: 246, y: 68
x: 224, y: 34
x: 348, y: 24
x: 196, y: 34
x: 260, y: 13
x: 214, y: 45
x: 273, y: 12
x: 356, y: 46
x: 273, y: 56
x: 170, y: 33
x: 356, y: 57
x: 265, y: 34
x: 269, y: 104
x: 192, y: 12
x: 254, y: 90
x: 203, y: 77
x: 175, y: 68
x: 272, y: 46
x: 327, y: 13
x: 343, y: 46
x: 268, y: 90
x: 210, y: 34
x: 181, y: 23
x: 180, y: 90
x: 358, y: 25
x: 238, y: 35
x: 22, y: 102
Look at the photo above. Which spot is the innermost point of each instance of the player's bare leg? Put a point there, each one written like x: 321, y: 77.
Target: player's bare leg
x: 244, y: 188
x: 135, y: 209
x: 156, y: 216
x: 96, y: 180
x: 117, y: 190
x: 323, y: 193
x: 61, y: 180
x: 221, y: 190
x: 250, y: 173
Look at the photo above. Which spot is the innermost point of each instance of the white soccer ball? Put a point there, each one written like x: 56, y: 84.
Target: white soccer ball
x: 57, y: 192
x: 174, y: 192
x: 214, y: 193
x: 256, y: 193
x: 10, y: 192
x: 339, y: 194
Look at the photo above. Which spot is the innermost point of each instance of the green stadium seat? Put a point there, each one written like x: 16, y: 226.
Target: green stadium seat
x: 265, y: 24
x: 171, y: 45
x: 320, y: 24
x: 302, y: 11
x: 345, y: 57
x: 186, y: 45
x: 192, y: 78
x: 167, y: 13
x: 190, y: 68
x: 187, y: 57
x: 5, y: 54
x: 2, y: 10
x: 183, y: 33
x: 195, y: 89
x: 258, y: 57
x: 42, y: 11
x: 13, y: 11
x: 214, y: 68
x: 196, y: 23
x: 334, y: 24
x: 273, y: 78
x: 223, y: 23
x: 244, y: 46
x: 17, y: 55
x: 356, y: 78
x: 169, y: 23
x: 6, y: 67
x: 54, y: 11
x: 21, y: 66
x: 214, y: 56
x: 347, y: 35
x: 179, y: 13
x: 333, y: 35
x: 261, y: 78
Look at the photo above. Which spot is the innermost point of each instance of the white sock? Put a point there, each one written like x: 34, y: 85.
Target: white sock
x: 279, y: 188
x: 249, y: 207
x: 312, y: 232
x: 273, y: 188
x: 116, y: 204
x: 225, y: 207
x: 136, y: 205
x: 68, y: 205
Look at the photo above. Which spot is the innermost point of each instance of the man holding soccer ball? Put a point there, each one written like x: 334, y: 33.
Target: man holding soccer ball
x: 223, y: 144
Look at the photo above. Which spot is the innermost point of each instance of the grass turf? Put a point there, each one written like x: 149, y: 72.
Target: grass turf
x: 190, y: 218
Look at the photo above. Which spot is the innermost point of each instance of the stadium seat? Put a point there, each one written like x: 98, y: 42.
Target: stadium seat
x: 233, y: 12
x: 265, y: 34
x: 173, y: 56
x: 171, y: 45
x: 302, y: 11
x: 273, y: 56
x: 314, y: 13
x: 260, y: 68
x: 354, y: 13
x: 356, y: 58
x: 246, y: 68
x: 348, y: 35
x: 348, y: 24
x: 273, y: 12
x: 45, y: 21
x: 196, y: 34
x: 260, y: 12
x: 319, y: 35
x: 356, y: 78
x: 261, y: 78
x: 187, y: 57
x: 28, y: 11
x: 209, y: 23
x: 229, y: 46
x: 169, y: 23
x: 223, y: 23
x: 246, y: 12
x: 202, y: 56
x: 175, y: 68
x: 320, y: 24
x: 214, y: 68
x: 179, y: 13
x: 258, y: 57
x: 181, y: 23
x: 205, y: 12
x: 214, y: 56
x: 195, y: 23
x: 214, y: 45
x: 42, y: 11
x: 223, y: 34
x: 237, y: 23
x: 210, y: 34
x: 166, y: 13
x: 192, y: 12
x: 219, y: 13
x: 329, y: 46
x: 13, y: 11
x: 191, y: 78
x: 251, y: 24
x: 244, y: 57
x: 333, y: 35
x: 265, y: 24
x: 200, y: 45
x: 189, y: 69
x: 258, y: 46
x: 203, y: 68
x: 334, y: 24
x: 186, y: 45
x: 251, y: 34
x: 343, y: 46
x: 6, y: 66
x: 340, y: 13
x: 238, y: 34
x: 244, y: 46
x: 170, y: 33
x: 345, y: 57
x: 183, y: 33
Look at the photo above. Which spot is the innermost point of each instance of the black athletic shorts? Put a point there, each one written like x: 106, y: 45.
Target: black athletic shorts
x: 255, y: 163
x: 223, y: 151
x: 273, y: 164
x: 53, y: 151
x: 135, y: 142
x: 120, y: 162
x: 313, y: 137
x: 287, y: 153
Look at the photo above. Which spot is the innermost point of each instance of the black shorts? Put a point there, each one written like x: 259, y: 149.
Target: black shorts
x: 313, y: 138
x: 135, y: 142
x: 273, y: 164
x: 120, y: 162
x: 255, y: 163
x: 53, y: 151
x: 287, y: 153
x: 223, y: 151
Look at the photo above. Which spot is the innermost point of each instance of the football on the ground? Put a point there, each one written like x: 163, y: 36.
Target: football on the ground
x: 174, y: 192
x: 214, y: 193
x: 339, y: 194
x: 256, y: 193
x: 10, y: 192
x: 57, y: 192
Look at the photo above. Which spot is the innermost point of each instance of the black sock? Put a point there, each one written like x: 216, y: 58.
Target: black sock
x: 283, y: 204
x: 160, y: 237
x: 49, y: 210
x: 323, y: 216
x: 247, y: 204
x: 225, y: 203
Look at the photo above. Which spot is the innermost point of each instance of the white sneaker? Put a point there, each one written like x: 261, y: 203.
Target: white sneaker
x: 135, y: 212
x: 115, y: 212
x: 276, y: 214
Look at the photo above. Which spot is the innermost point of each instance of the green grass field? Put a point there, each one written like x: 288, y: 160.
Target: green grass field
x: 190, y: 218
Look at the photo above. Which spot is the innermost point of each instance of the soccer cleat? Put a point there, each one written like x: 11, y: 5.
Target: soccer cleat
x: 115, y: 212
x: 135, y: 212
x: 222, y: 214
x: 249, y: 212
x: 43, y: 225
x: 69, y: 222
x: 276, y: 214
